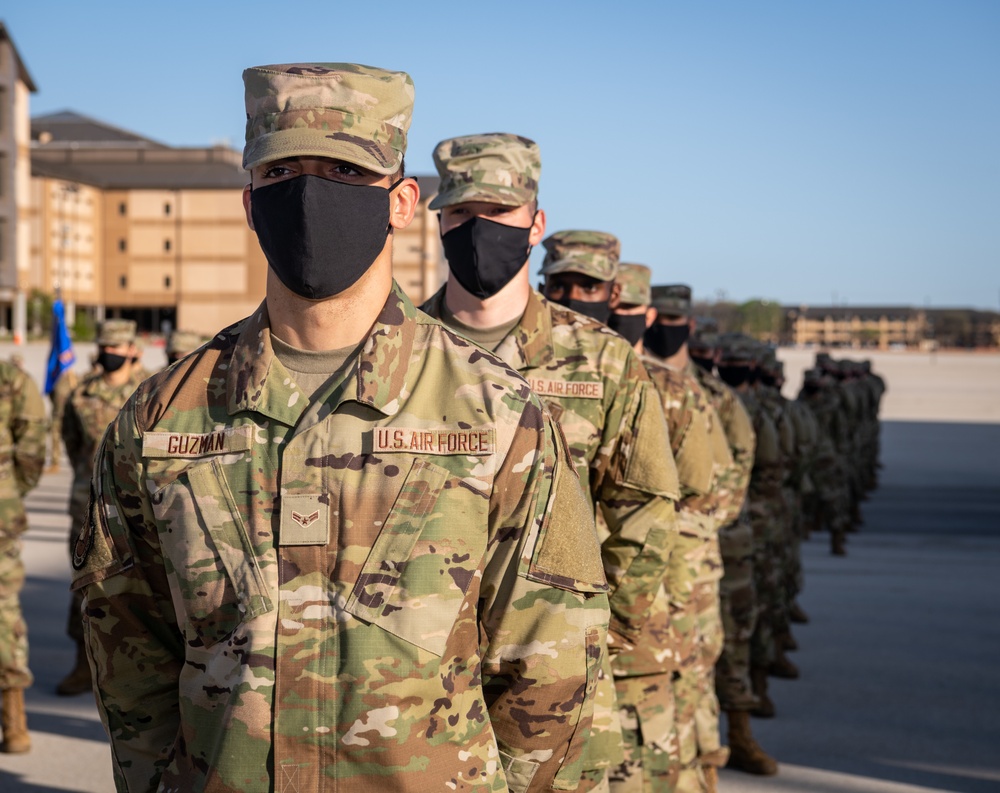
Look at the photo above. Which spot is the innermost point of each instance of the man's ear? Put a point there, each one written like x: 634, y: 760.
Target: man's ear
x: 403, y: 203
x: 537, y: 233
x: 247, y: 189
x: 616, y: 296
x: 650, y: 316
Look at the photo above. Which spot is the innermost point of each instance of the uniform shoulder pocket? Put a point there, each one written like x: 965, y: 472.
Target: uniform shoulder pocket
x: 649, y: 465
x: 567, y: 553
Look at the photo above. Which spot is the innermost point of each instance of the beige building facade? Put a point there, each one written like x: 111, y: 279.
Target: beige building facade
x: 16, y: 87
x: 124, y: 226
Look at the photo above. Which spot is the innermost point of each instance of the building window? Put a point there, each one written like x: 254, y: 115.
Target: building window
x: 3, y: 98
x: 166, y: 281
x: 122, y: 281
x: 122, y: 209
x: 166, y: 246
x: 121, y: 246
x: 3, y: 238
x: 166, y: 209
x: 3, y: 170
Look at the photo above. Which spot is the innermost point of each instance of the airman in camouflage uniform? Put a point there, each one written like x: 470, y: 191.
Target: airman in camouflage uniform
x: 736, y: 368
x: 830, y: 508
x: 695, y: 585
x: 180, y: 343
x: 90, y: 408
x: 737, y: 591
x: 342, y: 563
x: 689, y: 631
x: 589, y: 377
x: 782, y: 506
x: 22, y: 437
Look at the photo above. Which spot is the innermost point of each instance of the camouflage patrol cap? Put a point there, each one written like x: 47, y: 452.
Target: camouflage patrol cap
x: 593, y: 253
x: 495, y: 167
x: 737, y: 348
x: 183, y: 341
x: 634, y: 280
x: 703, y: 342
x: 347, y: 111
x: 672, y: 300
x: 113, y: 332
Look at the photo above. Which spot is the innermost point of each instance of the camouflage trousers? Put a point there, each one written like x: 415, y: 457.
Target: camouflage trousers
x: 769, y: 539
x: 697, y: 626
x: 14, y: 672
x: 738, y: 606
x: 649, y: 736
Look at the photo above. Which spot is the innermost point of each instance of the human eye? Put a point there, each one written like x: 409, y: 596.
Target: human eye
x: 277, y: 171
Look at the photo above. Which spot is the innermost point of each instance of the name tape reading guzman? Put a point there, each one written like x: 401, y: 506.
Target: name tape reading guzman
x: 197, y: 444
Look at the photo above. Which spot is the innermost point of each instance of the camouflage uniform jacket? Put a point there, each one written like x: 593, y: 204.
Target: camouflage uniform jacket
x: 738, y: 427
x: 597, y: 389
x: 358, y: 591
x: 22, y: 445
x: 691, y: 449
x: 91, y: 407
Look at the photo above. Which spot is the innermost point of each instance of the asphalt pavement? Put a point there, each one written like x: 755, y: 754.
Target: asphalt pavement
x: 899, y: 691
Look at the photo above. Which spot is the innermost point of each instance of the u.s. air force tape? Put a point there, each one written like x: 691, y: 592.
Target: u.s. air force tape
x: 197, y: 444
x: 473, y: 442
x: 569, y: 389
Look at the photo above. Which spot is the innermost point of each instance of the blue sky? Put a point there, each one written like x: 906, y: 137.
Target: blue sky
x: 800, y: 151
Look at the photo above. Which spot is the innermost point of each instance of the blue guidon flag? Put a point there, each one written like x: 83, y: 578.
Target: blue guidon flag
x: 61, y: 356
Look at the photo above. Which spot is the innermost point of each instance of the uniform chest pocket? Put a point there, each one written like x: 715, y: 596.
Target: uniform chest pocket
x: 419, y: 569
x: 216, y: 580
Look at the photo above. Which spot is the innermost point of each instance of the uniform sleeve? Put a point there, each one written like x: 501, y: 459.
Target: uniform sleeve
x: 130, y: 627
x: 637, y: 495
x: 28, y: 430
x: 544, y: 612
x: 743, y: 445
x: 72, y: 433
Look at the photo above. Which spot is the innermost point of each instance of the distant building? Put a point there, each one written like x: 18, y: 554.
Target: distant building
x: 889, y: 327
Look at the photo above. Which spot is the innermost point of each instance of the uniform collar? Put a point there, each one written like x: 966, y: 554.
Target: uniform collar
x: 529, y: 345
x: 256, y: 380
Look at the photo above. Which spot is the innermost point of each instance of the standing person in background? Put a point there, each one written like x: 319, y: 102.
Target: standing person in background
x: 697, y: 602
x: 90, y: 408
x: 737, y: 369
x: 676, y: 632
x: 737, y: 591
x: 180, y: 343
x: 22, y: 436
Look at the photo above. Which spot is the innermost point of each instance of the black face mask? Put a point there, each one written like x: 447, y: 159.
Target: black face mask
x: 629, y: 326
x: 734, y: 375
x: 810, y: 388
x: 320, y: 236
x: 110, y: 362
x: 599, y: 311
x: 705, y: 363
x: 666, y: 340
x: 768, y: 380
x: 484, y: 255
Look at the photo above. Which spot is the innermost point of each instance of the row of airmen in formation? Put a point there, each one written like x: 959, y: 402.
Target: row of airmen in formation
x: 326, y: 547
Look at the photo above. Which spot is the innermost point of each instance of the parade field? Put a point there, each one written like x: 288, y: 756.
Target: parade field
x: 898, y: 690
